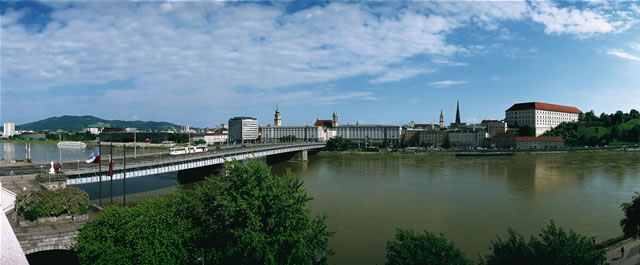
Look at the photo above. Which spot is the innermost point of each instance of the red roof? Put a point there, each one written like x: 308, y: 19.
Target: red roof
x: 323, y: 123
x: 544, y: 106
x: 539, y: 139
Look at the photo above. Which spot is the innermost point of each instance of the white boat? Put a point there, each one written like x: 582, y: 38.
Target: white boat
x: 71, y: 144
x: 182, y: 150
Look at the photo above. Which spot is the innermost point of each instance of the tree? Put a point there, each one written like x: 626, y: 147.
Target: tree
x: 250, y: 216
x: 526, y: 131
x: 618, y: 117
x: 426, y: 248
x: 200, y: 142
x: 615, y: 133
x: 339, y: 144
x: 634, y: 114
x: 553, y: 246
x: 634, y: 134
x: 155, y: 231
x: 631, y: 222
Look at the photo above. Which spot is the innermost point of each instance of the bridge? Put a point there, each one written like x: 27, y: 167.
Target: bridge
x: 166, y: 163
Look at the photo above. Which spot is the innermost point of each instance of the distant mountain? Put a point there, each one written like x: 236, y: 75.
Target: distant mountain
x: 76, y: 123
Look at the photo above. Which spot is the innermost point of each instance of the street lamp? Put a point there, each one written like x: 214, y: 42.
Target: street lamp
x: 40, y: 170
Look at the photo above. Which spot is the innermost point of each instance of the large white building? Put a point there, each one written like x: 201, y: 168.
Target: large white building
x: 540, y: 116
x: 9, y: 129
x: 243, y: 129
x: 370, y: 134
x: 467, y: 139
x: 212, y: 138
x: 301, y: 133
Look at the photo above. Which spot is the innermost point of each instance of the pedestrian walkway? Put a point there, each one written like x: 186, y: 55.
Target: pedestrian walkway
x: 631, y: 254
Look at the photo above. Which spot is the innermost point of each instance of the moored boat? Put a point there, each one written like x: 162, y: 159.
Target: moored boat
x: 71, y: 144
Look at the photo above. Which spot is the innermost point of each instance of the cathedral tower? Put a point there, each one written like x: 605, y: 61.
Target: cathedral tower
x: 458, y: 113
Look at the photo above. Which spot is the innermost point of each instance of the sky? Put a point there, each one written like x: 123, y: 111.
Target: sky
x: 200, y: 63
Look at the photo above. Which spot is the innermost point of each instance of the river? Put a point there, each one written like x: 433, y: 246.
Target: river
x: 469, y: 199
x: 41, y: 152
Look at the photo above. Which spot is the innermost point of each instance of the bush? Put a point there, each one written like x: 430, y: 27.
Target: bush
x: 554, y: 246
x: 50, y: 203
x: 412, y: 248
x: 631, y: 222
x: 155, y: 231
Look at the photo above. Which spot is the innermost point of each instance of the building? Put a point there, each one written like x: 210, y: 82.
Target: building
x: 277, y: 120
x: 243, y: 129
x: 504, y: 140
x: 301, y: 133
x: 91, y: 130
x: 539, y: 142
x: 211, y: 138
x: 457, y: 112
x: 130, y: 130
x: 470, y: 138
x: 9, y: 129
x: 32, y: 136
x: 540, y: 116
x: 369, y: 134
x: 129, y: 137
x: 494, y: 127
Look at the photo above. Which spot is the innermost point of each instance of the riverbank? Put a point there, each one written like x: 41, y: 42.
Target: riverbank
x: 453, y: 152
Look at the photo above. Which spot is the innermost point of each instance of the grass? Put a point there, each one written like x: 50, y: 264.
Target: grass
x: 594, y: 131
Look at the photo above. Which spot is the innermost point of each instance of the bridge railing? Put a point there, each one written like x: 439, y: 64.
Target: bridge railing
x: 196, y: 156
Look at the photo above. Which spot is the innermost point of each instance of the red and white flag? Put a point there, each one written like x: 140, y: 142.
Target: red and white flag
x: 94, y: 157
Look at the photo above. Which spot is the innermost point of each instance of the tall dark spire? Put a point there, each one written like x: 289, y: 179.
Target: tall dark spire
x: 458, y: 113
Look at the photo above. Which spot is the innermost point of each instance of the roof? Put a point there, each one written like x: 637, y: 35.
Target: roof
x: 488, y: 121
x: 323, y: 123
x: 544, y: 106
x: 539, y: 139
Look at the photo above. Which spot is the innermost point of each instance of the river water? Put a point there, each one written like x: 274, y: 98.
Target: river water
x: 469, y: 199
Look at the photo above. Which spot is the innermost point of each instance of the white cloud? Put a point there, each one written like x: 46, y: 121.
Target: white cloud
x: 635, y: 46
x: 447, y: 62
x: 623, y: 54
x: 396, y: 74
x: 447, y: 83
x: 571, y: 20
x: 496, y: 78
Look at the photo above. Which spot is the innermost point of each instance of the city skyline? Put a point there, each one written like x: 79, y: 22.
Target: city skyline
x: 201, y: 63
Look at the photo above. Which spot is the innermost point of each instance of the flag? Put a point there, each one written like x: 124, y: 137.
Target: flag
x: 110, y: 172
x: 94, y: 157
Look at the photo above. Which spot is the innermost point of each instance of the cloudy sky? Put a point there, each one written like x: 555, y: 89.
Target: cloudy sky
x: 199, y: 63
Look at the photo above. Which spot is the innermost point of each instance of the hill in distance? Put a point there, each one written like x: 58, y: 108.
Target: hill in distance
x: 76, y: 123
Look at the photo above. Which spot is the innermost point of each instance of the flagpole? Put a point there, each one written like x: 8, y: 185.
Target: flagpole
x: 124, y: 171
x: 111, y: 173
x: 100, y: 171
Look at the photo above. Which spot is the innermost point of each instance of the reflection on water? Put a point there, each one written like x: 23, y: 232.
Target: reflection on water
x: 50, y: 152
x: 471, y: 199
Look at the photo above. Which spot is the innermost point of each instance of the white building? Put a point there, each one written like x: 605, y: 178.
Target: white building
x: 212, y: 138
x: 91, y: 130
x: 494, y: 126
x: 540, y: 116
x: 9, y: 129
x: 467, y: 139
x: 301, y: 133
x: 130, y: 130
x: 243, y: 129
x: 370, y: 133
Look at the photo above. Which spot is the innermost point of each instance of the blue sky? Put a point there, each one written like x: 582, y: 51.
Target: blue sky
x: 200, y: 63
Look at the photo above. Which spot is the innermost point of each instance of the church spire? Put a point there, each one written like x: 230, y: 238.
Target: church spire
x: 458, y: 113
x: 441, y: 119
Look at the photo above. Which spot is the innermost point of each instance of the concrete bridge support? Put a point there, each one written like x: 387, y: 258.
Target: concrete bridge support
x: 196, y: 174
x: 301, y: 156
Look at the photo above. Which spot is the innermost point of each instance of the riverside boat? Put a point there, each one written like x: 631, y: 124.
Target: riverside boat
x: 71, y: 144
x: 486, y: 154
x: 182, y: 150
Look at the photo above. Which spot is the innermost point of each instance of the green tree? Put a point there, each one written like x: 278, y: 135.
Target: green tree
x: 553, y: 246
x: 618, y: 117
x: 526, y: 131
x: 200, y: 142
x: 155, y: 231
x: 250, y: 216
x: 339, y: 144
x: 634, y: 114
x: 631, y: 222
x: 616, y: 133
x: 412, y: 248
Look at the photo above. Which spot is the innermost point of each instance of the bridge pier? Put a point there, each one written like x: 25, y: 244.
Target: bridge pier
x: 200, y: 173
x: 301, y: 156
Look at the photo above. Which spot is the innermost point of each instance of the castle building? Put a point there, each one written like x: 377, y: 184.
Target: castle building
x: 540, y: 116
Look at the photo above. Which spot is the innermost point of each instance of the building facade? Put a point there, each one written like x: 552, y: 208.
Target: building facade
x: 370, y: 134
x: 494, y: 127
x: 539, y: 142
x: 91, y: 130
x: 9, y: 129
x: 467, y: 138
x: 243, y: 129
x: 301, y: 133
x: 212, y: 138
x: 540, y: 116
